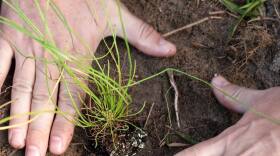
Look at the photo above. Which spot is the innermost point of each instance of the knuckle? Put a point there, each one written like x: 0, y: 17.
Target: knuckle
x: 145, y: 31
x: 21, y: 85
x: 237, y: 132
x: 261, y: 145
x: 35, y: 133
x: 42, y: 101
x: 68, y: 109
x: 73, y: 92
x: 40, y: 96
x: 66, y: 97
x: 69, y: 101
x: 63, y: 125
x: 234, y: 133
x: 236, y: 93
x: 50, y: 72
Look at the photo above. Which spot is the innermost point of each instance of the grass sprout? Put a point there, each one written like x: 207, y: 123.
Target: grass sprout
x: 245, y: 8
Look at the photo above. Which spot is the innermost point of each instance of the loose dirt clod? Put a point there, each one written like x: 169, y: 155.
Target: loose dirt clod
x: 131, y: 145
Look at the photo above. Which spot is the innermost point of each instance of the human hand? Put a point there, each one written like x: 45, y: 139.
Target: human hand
x: 252, y: 135
x: 30, y: 90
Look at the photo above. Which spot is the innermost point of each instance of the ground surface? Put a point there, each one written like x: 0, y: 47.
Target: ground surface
x: 252, y: 59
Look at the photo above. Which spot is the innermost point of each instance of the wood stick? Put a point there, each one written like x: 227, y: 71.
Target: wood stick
x: 148, y: 117
x: 191, y: 25
x: 263, y: 18
x: 216, y: 12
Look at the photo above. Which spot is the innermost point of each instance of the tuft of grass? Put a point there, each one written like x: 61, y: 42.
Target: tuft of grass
x: 111, y: 101
x: 244, y: 8
x: 109, y: 111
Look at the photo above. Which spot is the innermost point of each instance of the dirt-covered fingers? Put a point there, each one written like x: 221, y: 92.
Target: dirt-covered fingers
x: 6, y: 54
x: 43, y: 105
x: 70, y: 96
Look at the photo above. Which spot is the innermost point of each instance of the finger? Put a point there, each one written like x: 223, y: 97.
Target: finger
x: 6, y: 55
x: 234, y: 97
x: 68, y: 103
x: 144, y: 37
x: 21, y: 96
x: 212, y: 147
x: 43, y: 100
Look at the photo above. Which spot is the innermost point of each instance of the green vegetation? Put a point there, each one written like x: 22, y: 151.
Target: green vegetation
x: 245, y: 8
x: 110, y: 98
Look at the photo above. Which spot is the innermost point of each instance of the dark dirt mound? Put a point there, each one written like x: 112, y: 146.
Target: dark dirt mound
x: 251, y: 58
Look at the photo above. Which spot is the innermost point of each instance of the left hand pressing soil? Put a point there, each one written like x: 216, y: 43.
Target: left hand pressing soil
x: 30, y: 89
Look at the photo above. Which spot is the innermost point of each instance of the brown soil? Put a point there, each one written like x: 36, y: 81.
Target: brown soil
x: 251, y: 58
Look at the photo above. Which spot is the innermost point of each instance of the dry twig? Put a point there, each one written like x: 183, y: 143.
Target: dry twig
x: 191, y: 25
x: 176, y: 144
x: 276, y: 9
x: 148, y: 117
x: 262, y: 18
x: 220, y: 12
x: 174, y: 86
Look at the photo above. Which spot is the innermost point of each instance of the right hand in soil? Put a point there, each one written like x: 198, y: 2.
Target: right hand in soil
x: 30, y: 91
x: 253, y: 135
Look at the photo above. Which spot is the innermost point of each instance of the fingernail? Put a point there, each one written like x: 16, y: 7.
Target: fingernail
x: 16, y: 139
x: 56, y: 143
x: 220, y: 82
x: 166, y: 47
x: 32, y: 151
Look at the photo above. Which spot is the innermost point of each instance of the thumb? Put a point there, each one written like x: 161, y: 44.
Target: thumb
x: 234, y: 97
x: 144, y: 37
x: 212, y: 147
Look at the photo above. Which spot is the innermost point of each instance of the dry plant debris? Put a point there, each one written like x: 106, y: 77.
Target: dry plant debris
x: 174, y: 86
x: 191, y: 25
